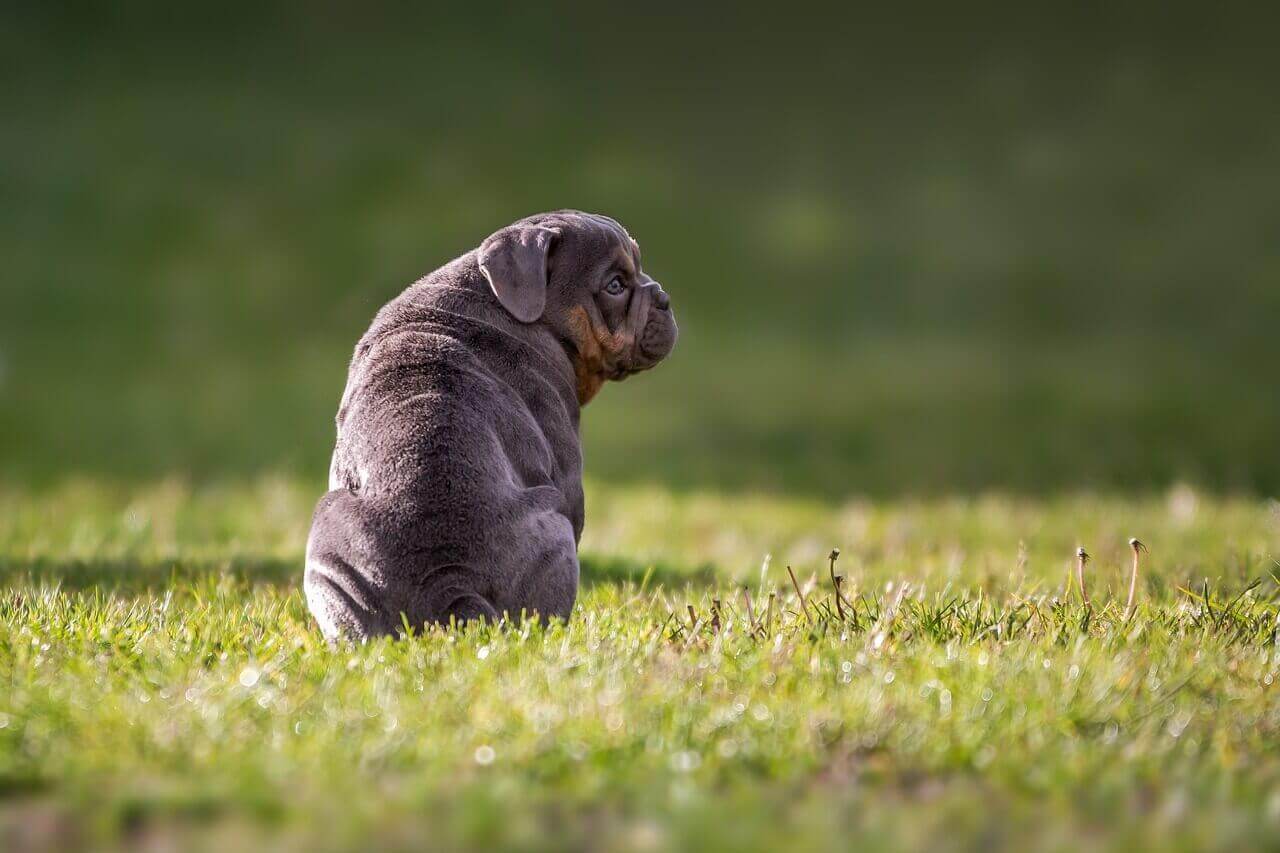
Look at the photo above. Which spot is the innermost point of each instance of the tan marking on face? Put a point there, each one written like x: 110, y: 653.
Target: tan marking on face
x: 598, y: 352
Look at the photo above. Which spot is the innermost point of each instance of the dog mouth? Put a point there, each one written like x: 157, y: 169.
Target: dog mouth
x: 653, y: 338
x: 649, y: 343
x: 645, y: 354
x: 655, y: 342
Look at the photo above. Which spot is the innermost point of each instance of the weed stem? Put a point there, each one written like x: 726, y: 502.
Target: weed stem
x: 1082, y: 557
x: 1138, y: 548
x: 803, y: 605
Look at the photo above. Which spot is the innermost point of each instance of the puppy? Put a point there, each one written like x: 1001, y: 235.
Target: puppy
x: 456, y: 481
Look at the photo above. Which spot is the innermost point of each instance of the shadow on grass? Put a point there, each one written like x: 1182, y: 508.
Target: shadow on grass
x: 143, y: 575
x: 596, y: 570
x: 123, y: 575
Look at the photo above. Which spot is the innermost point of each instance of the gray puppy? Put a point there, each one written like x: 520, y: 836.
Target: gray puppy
x: 456, y: 482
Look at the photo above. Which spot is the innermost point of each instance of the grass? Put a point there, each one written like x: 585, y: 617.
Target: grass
x: 160, y: 681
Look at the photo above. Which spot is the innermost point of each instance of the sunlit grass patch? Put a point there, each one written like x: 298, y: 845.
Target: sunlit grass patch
x: 958, y: 692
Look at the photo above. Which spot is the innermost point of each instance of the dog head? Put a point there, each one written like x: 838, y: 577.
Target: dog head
x: 579, y: 275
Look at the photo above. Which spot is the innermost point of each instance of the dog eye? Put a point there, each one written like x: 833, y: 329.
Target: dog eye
x: 615, y: 286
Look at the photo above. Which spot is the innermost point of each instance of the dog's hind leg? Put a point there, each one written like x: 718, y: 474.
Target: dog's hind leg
x: 343, y: 578
x: 546, y: 555
x: 464, y: 606
x: 448, y: 593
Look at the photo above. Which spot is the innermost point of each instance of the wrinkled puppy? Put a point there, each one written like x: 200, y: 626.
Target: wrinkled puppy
x: 456, y: 482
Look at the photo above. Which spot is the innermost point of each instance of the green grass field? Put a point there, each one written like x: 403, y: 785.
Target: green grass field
x: 160, y: 681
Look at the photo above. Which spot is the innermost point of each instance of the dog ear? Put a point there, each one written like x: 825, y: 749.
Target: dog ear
x: 514, y: 261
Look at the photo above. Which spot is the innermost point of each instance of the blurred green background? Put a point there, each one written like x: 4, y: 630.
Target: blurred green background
x: 922, y: 251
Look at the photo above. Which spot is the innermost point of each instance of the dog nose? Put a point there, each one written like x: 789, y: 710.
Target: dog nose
x: 661, y: 300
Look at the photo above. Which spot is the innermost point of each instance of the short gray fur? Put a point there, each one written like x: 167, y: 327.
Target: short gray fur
x: 456, y: 480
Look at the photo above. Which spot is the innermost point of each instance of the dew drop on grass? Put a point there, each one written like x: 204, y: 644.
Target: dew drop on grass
x: 249, y: 676
x: 482, y: 652
x: 485, y: 755
x: 888, y: 677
